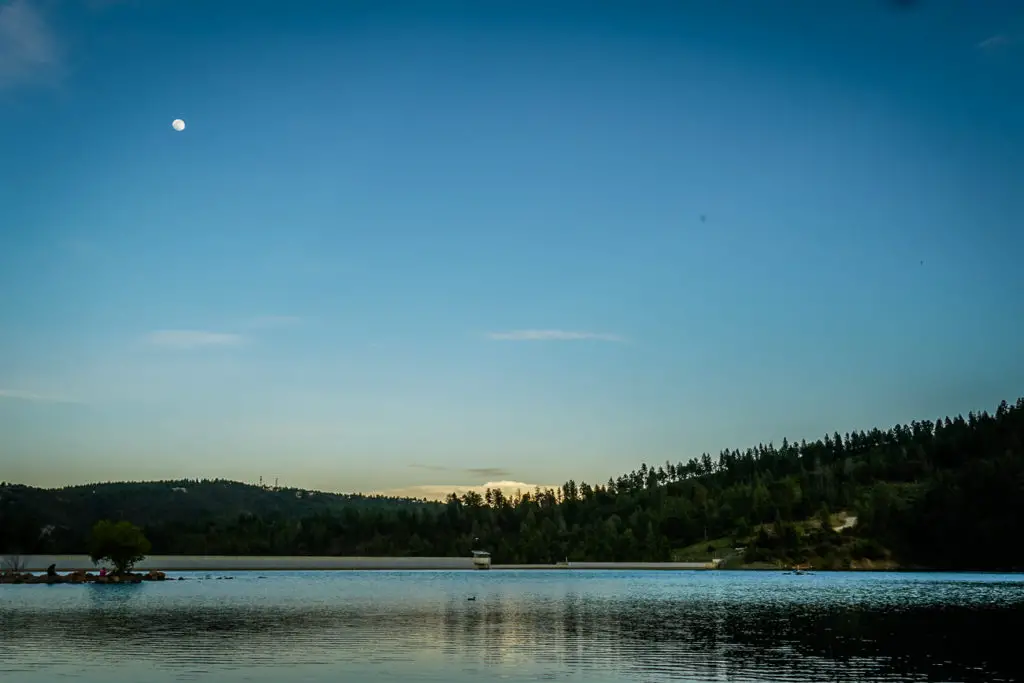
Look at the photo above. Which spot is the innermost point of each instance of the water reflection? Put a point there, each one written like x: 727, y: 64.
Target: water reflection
x: 523, y: 626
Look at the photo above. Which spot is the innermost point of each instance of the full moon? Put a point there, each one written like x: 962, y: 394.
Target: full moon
x: 178, y: 124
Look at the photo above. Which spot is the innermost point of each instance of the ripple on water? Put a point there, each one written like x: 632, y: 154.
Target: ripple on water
x: 529, y: 625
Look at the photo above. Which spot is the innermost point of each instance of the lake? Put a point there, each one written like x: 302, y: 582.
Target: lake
x: 587, y: 626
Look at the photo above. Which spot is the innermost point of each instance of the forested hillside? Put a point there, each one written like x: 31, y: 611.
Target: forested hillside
x: 57, y: 520
x: 942, y: 494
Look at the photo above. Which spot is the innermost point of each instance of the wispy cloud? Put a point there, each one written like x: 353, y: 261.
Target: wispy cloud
x: 28, y: 49
x: 432, y: 468
x: 487, y: 472
x: 482, y: 472
x: 994, y: 42
x: 441, y: 491
x: 552, y: 335
x: 197, y: 339
x: 192, y: 339
x: 18, y: 395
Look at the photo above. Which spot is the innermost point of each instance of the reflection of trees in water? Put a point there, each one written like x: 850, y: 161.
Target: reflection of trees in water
x: 941, y: 643
x: 732, y: 640
x: 706, y: 639
x: 947, y: 643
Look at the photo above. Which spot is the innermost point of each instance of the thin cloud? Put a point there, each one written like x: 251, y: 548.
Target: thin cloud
x: 28, y: 49
x: 994, y: 42
x: 30, y: 52
x: 18, y: 395
x: 197, y: 339
x: 192, y: 339
x: 432, y: 468
x: 482, y: 472
x: 487, y: 472
x: 552, y: 335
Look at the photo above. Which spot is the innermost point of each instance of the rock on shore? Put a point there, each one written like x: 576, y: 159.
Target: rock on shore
x: 81, y: 576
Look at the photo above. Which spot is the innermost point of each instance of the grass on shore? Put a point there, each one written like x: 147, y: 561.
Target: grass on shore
x: 844, y: 554
x: 705, y: 551
x: 726, y: 547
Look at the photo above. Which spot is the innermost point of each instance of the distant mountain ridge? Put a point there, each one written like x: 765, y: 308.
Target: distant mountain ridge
x: 29, y: 515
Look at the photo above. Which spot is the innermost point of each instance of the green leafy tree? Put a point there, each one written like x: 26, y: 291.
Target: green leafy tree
x: 121, y: 543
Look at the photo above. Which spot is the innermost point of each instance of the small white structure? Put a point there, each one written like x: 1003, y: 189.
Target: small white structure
x: 849, y: 521
x: 481, y: 559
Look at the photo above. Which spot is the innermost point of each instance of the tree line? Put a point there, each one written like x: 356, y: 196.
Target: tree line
x: 945, y: 494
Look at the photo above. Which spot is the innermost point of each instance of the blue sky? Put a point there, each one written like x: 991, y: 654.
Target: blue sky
x: 432, y: 245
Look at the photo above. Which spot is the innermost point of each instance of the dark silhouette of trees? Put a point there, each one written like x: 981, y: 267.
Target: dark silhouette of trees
x: 945, y: 494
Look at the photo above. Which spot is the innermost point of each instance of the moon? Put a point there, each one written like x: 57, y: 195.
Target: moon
x: 178, y: 125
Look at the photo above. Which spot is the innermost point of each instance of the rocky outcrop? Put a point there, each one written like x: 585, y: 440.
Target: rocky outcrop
x: 81, y: 576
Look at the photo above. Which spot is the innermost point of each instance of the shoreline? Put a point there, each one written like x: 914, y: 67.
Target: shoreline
x: 249, y: 563
x: 220, y: 563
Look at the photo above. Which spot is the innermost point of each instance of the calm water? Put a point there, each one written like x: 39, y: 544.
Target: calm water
x: 523, y: 626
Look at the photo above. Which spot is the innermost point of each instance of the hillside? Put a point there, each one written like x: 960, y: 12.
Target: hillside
x: 945, y: 494
x: 44, y: 520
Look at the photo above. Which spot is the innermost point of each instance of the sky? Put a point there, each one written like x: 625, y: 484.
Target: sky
x: 421, y: 247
